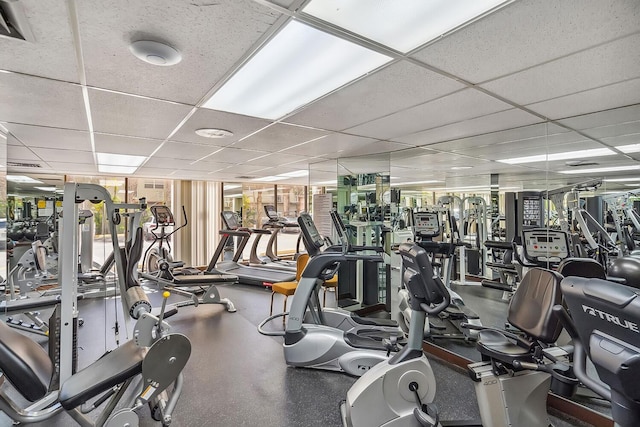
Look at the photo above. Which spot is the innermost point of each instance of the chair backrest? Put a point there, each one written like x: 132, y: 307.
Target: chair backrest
x: 582, y: 267
x: 301, y: 263
x: 531, y: 306
x: 26, y: 365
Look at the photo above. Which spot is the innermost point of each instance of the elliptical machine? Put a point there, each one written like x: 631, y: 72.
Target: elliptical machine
x: 448, y: 322
x: 317, y: 345
x: 161, y: 267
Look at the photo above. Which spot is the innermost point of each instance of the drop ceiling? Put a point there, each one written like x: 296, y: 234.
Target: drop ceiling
x: 532, y: 77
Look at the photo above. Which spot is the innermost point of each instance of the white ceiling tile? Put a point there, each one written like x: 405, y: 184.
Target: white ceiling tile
x: 526, y: 148
x: 244, y: 169
x: 278, y: 137
x: 61, y: 155
x: 52, y: 54
x: 125, y: 145
x: 154, y: 172
x: 17, y: 152
x: 528, y: 33
x: 633, y: 138
x: 394, y: 88
x: 134, y: 116
x: 614, y: 130
x: 604, y: 118
x: 211, y: 38
x: 167, y: 163
x: 459, y: 106
x: 73, y: 168
x: 610, y: 63
x: 241, y: 126
x: 186, y: 151
x: 47, y: 137
x: 490, y: 123
x: 234, y: 155
x: 41, y: 102
x: 611, y: 96
x: 191, y: 174
x: 333, y: 144
x: 277, y: 159
x: 378, y: 147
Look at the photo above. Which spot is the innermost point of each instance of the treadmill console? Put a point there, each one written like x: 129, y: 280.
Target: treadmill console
x: 230, y: 220
x: 312, y: 238
x: 163, y: 216
x: 271, y: 212
x: 341, y: 229
x: 426, y: 224
x: 545, y: 246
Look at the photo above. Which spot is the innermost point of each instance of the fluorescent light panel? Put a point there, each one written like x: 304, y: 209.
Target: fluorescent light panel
x: 622, y: 180
x: 295, y: 174
x: 46, y: 188
x: 432, y: 181
x: 297, y: 66
x: 599, y: 170
x: 401, y: 25
x: 632, y: 148
x: 568, y: 155
x: 270, y: 178
x: 117, y: 169
x: 119, y: 159
x: 22, y: 179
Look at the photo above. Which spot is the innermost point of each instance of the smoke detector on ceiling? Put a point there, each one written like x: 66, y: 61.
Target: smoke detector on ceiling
x: 155, y: 53
x: 214, y: 133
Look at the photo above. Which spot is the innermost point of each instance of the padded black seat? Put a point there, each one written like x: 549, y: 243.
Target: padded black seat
x: 531, y: 311
x: 582, y: 267
x: 111, y: 369
x: 25, y: 364
x: 496, y: 346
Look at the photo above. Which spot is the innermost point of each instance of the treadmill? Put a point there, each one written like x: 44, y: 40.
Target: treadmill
x: 249, y: 275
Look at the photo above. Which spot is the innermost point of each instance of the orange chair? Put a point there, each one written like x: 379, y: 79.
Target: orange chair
x: 330, y: 283
x: 289, y: 288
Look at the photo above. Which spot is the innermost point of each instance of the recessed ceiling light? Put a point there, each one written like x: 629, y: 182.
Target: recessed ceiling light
x: 214, y: 133
x: 459, y: 168
x: 567, y: 155
x: 297, y: 66
x: 22, y: 179
x: 46, y: 188
x: 117, y: 169
x: 599, y: 170
x: 621, y: 179
x: 119, y: 159
x: 401, y: 25
x: 155, y: 53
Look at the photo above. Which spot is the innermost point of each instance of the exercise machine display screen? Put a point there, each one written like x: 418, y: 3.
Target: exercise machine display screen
x: 426, y: 224
x: 271, y: 212
x: 163, y: 215
x: 341, y: 229
x: 310, y: 233
x: 230, y: 219
x: 531, y: 210
x: 545, y: 245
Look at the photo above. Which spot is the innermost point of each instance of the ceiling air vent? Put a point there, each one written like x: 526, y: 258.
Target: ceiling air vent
x: 576, y: 163
x: 13, y: 21
x: 23, y: 165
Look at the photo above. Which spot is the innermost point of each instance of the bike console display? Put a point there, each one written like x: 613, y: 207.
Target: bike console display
x: 230, y: 220
x: 163, y: 216
x: 311, y: 236
x: 542, y: 245
x: 426, y: 224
